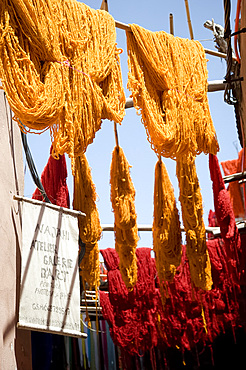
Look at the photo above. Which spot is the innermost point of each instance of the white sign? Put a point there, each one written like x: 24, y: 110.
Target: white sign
x: 50, y: 292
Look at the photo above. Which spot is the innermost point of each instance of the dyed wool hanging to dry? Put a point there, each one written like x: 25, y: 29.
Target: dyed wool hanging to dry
x: 89, y: 226
x: 194, y: 317
x: 137, y: 319
x: 226, y: 220
x: 54, y: 181
x: 131, y: 314
x: 235, y: 189
x: 168, y: 80
x: 192, y: 213
x: 166, y: 227
x: 60, y: 69
x: 125, y: 227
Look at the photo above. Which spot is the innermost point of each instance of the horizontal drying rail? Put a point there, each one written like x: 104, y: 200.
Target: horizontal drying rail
x: 126, y: 27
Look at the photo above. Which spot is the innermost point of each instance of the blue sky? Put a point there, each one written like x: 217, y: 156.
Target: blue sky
x: 152, y: 15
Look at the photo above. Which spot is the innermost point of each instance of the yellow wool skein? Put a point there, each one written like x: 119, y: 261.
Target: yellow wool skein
x: 84, y: 200
x: 192, y: 213
x: 168, y: 80
x: 167, y: 241
x: 89, y: 226
x: 90, y: 268
x: 60, y: 69
x: 126, y: 231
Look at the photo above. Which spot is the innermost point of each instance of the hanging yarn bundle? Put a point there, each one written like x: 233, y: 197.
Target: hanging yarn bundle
x: 168, y: 80
x: 166, y: 227
x: 89, y: 226
x: 226, y: 220
x: 131, y: 315
x: 137, y: 319
x: 235, y: 189
x: 192, y: 214
x: 60, y: 69
x: 125, y: 227
x: 54, y: 181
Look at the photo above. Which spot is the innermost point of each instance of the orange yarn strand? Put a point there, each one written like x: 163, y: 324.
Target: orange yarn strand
x: 60, y: 68
x: 89, y: 226
x: 166, y: 227
x: 126, y: 231
x: 192, y: 213
x: 168, y: 80
x: 90, y: 268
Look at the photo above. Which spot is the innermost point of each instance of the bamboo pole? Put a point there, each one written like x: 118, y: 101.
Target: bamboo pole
x: 188, y: 19
x: 217, y: 85
x: 214, y: 230
x: 116, y: 135
x: 123, y: 26
x: 50, y: 205
x: 171, y: 24
x: 47, y: 330
x: 104, y: 5
x: 126, y: 27
x: 84, y: 308
x: 235, y: 177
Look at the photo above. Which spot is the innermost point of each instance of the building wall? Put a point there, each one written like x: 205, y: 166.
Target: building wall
x: 15, y: 344
x: 243, y: 66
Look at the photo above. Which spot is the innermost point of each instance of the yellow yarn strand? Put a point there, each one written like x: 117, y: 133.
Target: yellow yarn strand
x: 60, y: 69
x: 89, y: 226
x: 192, y: 213
x: 168, y: 80
x: 167, y: 241
x: 90, y: 268
x: 126, y: 231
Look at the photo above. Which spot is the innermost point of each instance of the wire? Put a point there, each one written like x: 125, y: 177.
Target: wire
x: 32, y: 168
x: 39, y: 185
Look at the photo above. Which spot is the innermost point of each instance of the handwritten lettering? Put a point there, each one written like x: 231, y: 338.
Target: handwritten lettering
x: 54, y: 274
x: 44, y: 246
x: 58, y: 261
x: 50, y: 308
x: 54, y: 232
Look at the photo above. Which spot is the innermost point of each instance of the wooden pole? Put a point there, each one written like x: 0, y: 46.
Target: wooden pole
x: 116, y: 135
x: 188, y: 19
x: 104, y: 5
x: 126, y: 27
x: 235, y: 177
x: 123, y: 26
x: 209, y: 229
x: 213, y: 86
x: 171, y: 24
x: 50, y: 205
